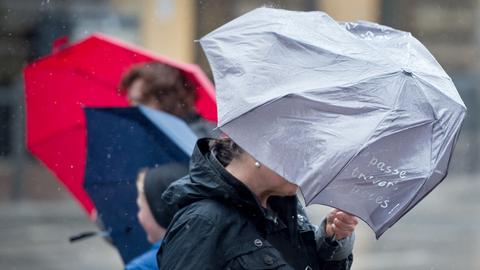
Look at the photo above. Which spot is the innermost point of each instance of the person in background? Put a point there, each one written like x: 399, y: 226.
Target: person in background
x: 152, y: 214
x: 165, y: 88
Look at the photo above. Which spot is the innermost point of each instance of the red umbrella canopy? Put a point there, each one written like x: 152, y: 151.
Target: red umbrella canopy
x: 87, y: 73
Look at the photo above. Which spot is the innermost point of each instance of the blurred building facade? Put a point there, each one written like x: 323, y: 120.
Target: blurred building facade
x: 447, y: 28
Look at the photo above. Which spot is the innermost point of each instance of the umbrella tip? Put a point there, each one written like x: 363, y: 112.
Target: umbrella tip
x: 85, y: 235
x: 407, y: 72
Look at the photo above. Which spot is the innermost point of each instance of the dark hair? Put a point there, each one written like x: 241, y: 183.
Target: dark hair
x: 156, y: 182
x: 166, y: 84
x: 225, y: 150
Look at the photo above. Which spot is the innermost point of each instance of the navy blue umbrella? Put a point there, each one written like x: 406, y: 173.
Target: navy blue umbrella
x: 120, y: 142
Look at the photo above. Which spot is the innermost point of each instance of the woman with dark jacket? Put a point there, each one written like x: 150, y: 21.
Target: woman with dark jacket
x: 234, y: 213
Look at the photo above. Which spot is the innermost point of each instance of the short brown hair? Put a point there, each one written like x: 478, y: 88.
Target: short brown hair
x: 166, y: 84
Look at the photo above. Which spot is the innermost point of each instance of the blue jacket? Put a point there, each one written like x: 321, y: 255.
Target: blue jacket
x: 146, y: 261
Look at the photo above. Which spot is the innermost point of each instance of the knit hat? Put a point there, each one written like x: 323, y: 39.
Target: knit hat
x: 156, y: 182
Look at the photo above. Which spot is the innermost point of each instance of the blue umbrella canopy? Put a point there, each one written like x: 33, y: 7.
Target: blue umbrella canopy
x: 359, y: 115
x: 120, y: 142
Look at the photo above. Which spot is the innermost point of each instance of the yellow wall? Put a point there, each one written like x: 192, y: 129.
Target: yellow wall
x: 167, y: 27
x: 351, y: 10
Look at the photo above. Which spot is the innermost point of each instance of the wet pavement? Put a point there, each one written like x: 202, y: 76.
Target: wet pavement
x: 34, y: 235
x: 441, y: 233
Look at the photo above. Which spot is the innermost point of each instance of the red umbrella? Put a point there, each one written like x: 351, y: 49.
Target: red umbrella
x: 87, y: 73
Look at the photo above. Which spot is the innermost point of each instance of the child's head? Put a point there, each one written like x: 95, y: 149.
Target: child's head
x: 154, y: 231
x: 152, y: 211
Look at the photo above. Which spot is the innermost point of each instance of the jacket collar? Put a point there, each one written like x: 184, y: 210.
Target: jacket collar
x: 208, y: 179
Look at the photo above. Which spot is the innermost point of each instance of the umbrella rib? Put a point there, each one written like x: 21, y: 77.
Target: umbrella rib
x: 424, y: 123
x: 439, y: 122
x: 411, y: 205
x: 443, y: 76
x: 440, y: 92
x: 315, y: 47
x: 411, y: 202
x: 361, y: 147
x: 305, y: 91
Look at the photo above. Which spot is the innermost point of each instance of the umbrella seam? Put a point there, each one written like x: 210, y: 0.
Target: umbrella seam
x: 411, y: 205
x: 360, y: 148
x: 305, y: 43
x: 308, y: 91
x: 436, y: 120
x: 441, y: 93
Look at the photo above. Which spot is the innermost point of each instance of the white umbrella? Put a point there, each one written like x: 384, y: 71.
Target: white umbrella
x: 359, y: 115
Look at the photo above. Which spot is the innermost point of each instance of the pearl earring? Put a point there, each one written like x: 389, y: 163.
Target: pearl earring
x: 257, y: 164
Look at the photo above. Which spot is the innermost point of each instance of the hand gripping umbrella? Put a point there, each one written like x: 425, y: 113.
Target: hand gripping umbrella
x: 359, y: 115
x: 86, y: 73
x: 122, y: 141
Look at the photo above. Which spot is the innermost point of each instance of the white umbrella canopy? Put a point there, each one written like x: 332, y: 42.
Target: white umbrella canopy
x: 359, y: 115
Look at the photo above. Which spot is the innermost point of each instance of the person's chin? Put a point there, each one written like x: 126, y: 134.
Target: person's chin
x: 150, y: 239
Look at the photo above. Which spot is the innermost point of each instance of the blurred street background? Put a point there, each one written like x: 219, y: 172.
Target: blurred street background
x: 37, y: 214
